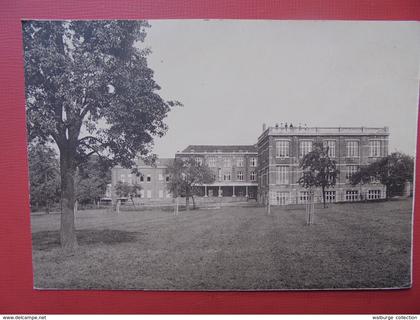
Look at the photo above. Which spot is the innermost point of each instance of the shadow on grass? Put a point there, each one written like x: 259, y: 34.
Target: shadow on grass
x: 45, y: 240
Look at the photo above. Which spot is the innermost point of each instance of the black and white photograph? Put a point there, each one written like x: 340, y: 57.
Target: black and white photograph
x: 196, y: 155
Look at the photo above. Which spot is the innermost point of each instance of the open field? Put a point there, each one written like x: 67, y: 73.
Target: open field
x: 354, y: 245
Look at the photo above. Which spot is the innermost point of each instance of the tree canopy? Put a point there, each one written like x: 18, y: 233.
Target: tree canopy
x: 186, y: 175
x: 88, y: 84
x: 319, y: 170
x: 393, y: 171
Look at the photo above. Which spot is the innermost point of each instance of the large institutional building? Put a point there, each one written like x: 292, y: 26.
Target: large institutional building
x: 268, y: 171
x: 280, y: 150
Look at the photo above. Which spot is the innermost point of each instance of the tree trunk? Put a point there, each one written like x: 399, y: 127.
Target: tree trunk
x: 192, y: 197
x: 67, y: 230
x: 187, y: 202
x: 323, y: 196
x: 176, y: 206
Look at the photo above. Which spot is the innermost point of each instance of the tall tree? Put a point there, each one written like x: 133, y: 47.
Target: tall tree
x: 90, y: 91
x: 186, y: 176
x: 319, y: 170
x: 44, y: 175
x: 393, y: 171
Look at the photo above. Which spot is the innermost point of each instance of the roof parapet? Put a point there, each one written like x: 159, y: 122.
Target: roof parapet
x: 327, y: 131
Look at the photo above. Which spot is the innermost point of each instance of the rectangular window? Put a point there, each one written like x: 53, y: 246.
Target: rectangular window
x: 330, y: 144
x: 374, y: 180
x: 211, y: 162
x: 352, y: 195
x: 374, y: 194
x: 226, y: 176
x: 240, y: 162
x: 303, y: 196
x: 282, y: 198
x: 282, y: 175
x: 374, y: 148
x: 240, y: 176
x: 160, y: 193
x: 305, y: 147
x: 167, y: 178
x: 198, y: 161
x: 330, y: 196
x: 282, y: 149
x: 253, y: 162
x: 141, y: 178
x: 122, y: 178
x: 160, y: 177
x: 149, y: 194
x: 141, y: 193
x: 252, y: 176
x: 129, y: 178
x: 352, y: 148
x: 351, y: 170
x: 227, y: 163
x: 149, y: 178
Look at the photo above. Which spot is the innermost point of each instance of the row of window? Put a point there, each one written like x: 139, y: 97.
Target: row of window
x: 283, y: 174
x: 226, y: 176
x: 353, y: 195
x: 283, y: 197
x: 227, y: 162
x: 223, y: 176
x: 305, y: 146
x: 148, y: 178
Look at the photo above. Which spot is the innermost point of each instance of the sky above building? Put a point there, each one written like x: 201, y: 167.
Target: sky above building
x: 234, y: 75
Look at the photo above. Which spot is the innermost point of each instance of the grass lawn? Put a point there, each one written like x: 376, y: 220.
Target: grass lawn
x: 354, y: 245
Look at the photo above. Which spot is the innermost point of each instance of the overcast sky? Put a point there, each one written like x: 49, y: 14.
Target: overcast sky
x: 234, y: 75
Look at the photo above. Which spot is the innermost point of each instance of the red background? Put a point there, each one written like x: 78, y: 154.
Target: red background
x: 16, y: 293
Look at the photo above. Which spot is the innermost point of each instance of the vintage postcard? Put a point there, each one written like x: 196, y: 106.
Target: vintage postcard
x: 221, y: 154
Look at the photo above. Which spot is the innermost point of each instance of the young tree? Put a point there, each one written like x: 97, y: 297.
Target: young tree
x: 318, y: 169
x: 90, y: 91
x: 126, y: 190
x: 186, y: 176
x: 393, y: 171
x: 44, y: 176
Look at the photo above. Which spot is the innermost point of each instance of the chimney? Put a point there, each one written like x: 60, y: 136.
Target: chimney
x: 264, y: 127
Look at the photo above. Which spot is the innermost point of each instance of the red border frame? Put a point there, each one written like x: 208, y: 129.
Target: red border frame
x: 16, y: 293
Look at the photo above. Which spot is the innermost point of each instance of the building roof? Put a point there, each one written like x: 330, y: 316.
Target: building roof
x: 220, y: 148
x: 323, y: 131
x: 160, y: 162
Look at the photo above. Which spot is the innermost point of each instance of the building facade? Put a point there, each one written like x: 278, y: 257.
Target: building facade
x: 152, y: 179
x: 269, y: 170
x: 280, y: 150
x: 235, y: 169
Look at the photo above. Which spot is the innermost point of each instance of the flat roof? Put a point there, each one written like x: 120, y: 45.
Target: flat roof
x: 327, y: 131
x: 220, y: 149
